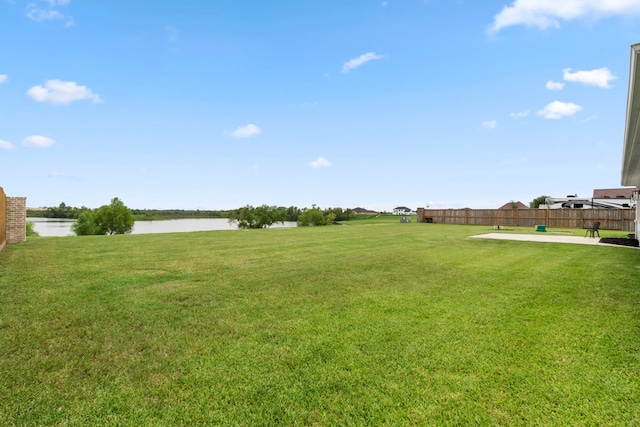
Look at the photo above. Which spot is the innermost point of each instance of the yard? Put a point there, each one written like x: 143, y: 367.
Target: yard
x: 371, y: 323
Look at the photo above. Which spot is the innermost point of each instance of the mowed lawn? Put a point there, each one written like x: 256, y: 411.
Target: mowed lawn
x: 371, y: 323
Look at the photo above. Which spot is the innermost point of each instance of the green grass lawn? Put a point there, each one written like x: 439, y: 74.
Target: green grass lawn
x: 371, y: 323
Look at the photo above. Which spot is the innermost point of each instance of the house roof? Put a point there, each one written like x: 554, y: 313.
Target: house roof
x: 613, y: 193
x: 402, y: 208
x: 631, y: 150
x: 363, y: 211
x: 514, y: 205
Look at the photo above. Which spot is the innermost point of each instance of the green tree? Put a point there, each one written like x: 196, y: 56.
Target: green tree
x: 85, y: 225
x: 114, y: 218
x: 341, y: 214
x: 535, y: 203
x: 292, y: 213
x: 315, y: 216
x: 258, y: 217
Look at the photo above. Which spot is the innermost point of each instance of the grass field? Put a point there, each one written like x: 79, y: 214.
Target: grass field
x: 371, y: 323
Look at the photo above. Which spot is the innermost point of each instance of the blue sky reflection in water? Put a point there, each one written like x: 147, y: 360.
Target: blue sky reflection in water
x: 219, y: 104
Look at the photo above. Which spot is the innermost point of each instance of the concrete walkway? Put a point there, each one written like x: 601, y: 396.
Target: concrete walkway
x: 549, y: 238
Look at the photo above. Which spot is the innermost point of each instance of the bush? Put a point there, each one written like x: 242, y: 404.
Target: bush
x: 31, y: 232
x: 85, y: 225
x: 315, y: 216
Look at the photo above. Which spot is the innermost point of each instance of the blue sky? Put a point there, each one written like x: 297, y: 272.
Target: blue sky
x: 361, y: 103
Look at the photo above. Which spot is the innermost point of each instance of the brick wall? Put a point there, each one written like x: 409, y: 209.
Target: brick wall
x: 16, y: 220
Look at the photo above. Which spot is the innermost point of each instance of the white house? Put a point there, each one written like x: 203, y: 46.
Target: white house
x: 631, y: 150
x: 403, y: 210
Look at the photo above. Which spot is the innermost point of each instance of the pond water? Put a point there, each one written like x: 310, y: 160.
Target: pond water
x: 62, y: 227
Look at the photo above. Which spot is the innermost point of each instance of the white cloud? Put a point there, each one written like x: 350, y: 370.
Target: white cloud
x: 38, y: 15
x: 54, y: 3
x: 48, y: 12
x: 549, y: 13
x: 554, y: 85
x: 5, y: 145
x: 520, y: 114
x: 600, y: 77
x: 362, y: 59
x: 558, y: 110
x: 38, y: 141
x: 490, y: 124
x: 62, y: 93
x: 245, y: 131
x: 320, y: 162
x: 3, y: 78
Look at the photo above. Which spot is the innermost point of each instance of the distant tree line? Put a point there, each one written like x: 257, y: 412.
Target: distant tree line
x: 61, y: 211
x: 265, y: 216
x: 69, y: 212
x: 159, y: 214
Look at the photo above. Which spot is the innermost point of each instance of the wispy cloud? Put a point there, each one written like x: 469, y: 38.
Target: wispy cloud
x: 5, y: 145
x: 362, y: 59
x: 38, y: 141
x: 544, y: 14
x: 490, y: 124
x: 520, y: 114
x: 558, y: 110
x: 320, y: 162
x: 58, y: 92
x: 49, y: 10
x: 3, y: 78
x: 245, y: 131
x: 554, y: 85
x: 600, y: 77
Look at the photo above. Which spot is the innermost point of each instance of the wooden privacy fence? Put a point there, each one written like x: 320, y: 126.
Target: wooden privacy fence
x: 3, y: 219
x: 610, y: 219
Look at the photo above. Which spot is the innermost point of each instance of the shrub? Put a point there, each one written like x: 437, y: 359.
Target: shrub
x: 31, y: 231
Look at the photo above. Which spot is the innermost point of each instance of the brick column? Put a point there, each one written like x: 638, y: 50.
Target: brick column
x: 16, y: 220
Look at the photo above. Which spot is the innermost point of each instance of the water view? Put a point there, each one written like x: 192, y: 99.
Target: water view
x: 48, y: 227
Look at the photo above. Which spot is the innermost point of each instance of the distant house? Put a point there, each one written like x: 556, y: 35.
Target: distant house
x: 402, y: 210
x: 514, y: 205
x: 614, y: 193
x: 362, y: 211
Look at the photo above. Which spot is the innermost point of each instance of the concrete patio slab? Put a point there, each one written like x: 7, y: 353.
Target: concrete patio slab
x: 548, y: 238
